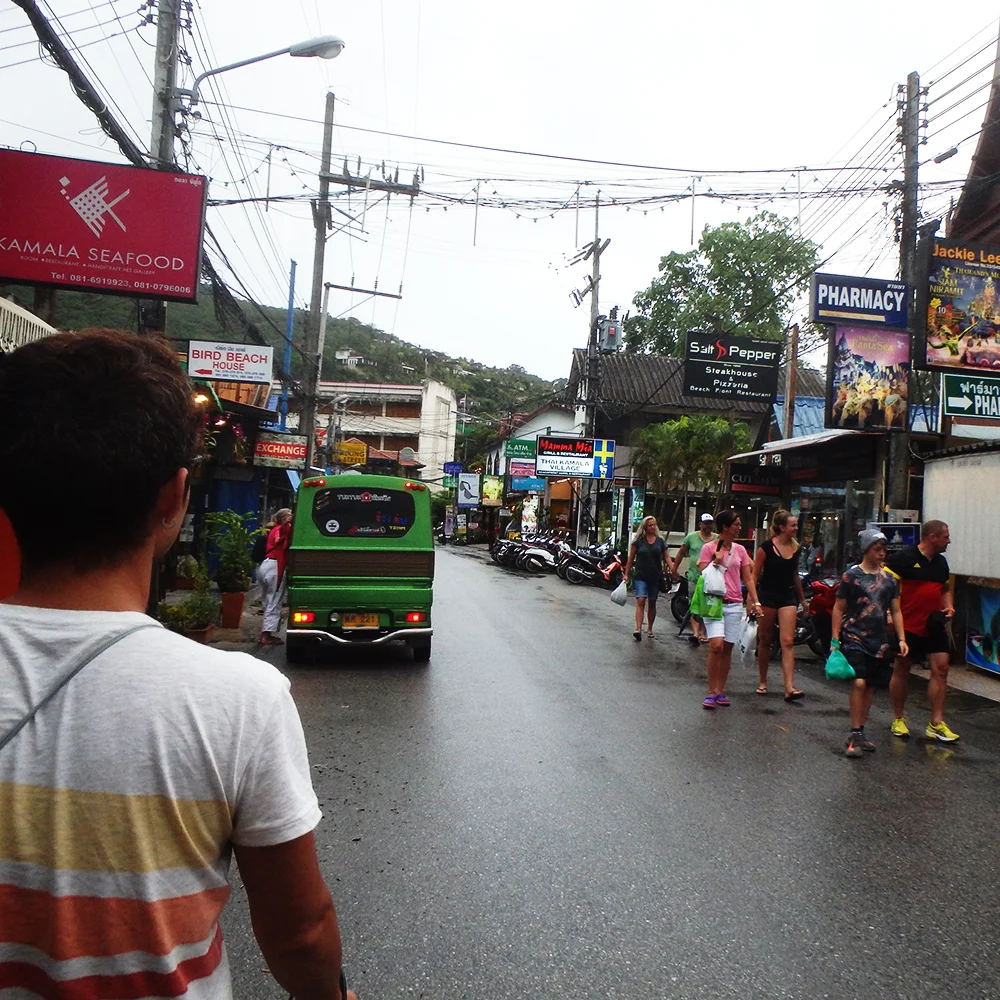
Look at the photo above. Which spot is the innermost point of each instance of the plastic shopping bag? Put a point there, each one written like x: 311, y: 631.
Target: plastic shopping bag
x: 748, y: 643
x: 620, y: 594
x: 837, y: 667
x: 703, y: 605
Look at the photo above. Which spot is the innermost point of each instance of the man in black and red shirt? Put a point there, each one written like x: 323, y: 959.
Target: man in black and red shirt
x: 927, y: 603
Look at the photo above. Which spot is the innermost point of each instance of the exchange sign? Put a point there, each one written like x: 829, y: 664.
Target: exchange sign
x: 102, y: 227
x: 565, y: 456
x: 280, y: 451
x: 971, y: 396
x: 725, y: 366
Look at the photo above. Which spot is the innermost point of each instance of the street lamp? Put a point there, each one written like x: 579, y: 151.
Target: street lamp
x: 323, y: 47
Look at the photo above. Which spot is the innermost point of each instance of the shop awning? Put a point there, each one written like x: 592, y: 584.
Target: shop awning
x: 796, y: 444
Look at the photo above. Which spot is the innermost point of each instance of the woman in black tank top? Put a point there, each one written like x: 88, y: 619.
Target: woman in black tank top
x: 776, y: 572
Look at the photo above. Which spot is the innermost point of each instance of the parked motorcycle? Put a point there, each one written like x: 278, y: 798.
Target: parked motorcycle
x: 601, y: 565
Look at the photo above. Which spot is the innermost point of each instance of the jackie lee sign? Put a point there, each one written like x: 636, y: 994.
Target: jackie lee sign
x: 102, y: 227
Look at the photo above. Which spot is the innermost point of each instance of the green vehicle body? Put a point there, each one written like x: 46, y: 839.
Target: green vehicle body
x: 360, y: 564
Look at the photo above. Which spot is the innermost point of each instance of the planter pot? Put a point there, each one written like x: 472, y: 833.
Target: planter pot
x: 184, y: 583
x: 202, y: 635
x: 232, y: 609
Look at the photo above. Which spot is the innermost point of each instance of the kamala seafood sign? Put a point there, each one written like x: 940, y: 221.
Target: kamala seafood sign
x: 102, y: 227
x: 963, y: 314
x: 869, y: 378
x: 839, y: 297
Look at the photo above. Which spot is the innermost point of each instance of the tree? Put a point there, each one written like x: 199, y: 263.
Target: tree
x: 741, y: 278
x: 677, y: 456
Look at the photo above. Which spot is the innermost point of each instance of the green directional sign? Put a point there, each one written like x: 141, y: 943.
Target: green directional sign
x: 968, y: 396
x: 519, y: 448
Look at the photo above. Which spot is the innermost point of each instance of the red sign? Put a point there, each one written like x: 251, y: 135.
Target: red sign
x: 100, y: 226
x: 283, y: 451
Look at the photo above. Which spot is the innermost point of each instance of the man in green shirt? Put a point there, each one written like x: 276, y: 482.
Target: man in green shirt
x: 691, y: 549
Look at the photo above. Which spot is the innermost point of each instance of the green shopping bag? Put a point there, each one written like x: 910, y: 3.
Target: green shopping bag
x: 703, y: 605
x: 837, y: 667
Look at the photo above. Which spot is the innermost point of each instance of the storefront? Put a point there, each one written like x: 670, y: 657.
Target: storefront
x: 829, y: 481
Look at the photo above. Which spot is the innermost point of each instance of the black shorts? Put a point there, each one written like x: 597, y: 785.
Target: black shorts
x: 779, y: 599
x: 874, y: 670
x: 923, y: 645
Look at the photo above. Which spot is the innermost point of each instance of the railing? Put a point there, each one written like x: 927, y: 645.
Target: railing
x: 19, y: 327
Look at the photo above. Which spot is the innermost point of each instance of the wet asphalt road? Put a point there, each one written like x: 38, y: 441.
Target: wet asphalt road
x: 546, y: 810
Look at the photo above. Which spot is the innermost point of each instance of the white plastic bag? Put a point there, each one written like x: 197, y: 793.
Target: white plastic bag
x: 620, y: 594
x: 748, y: 643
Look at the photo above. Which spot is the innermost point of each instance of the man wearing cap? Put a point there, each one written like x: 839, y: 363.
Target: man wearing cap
x: 928, y: 605
x: 866, y: 596
x: 691, y: 548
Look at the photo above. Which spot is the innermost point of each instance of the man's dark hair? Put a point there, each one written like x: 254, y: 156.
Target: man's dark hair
x: 92, y: 426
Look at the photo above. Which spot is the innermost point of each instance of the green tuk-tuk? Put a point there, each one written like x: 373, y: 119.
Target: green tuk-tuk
x: 360, y: 564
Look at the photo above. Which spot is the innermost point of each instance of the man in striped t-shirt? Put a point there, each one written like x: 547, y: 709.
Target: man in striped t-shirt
x: 124, y: 798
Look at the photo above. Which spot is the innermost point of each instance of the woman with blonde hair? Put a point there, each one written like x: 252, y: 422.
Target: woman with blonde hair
x: 648, y: 552
x: 272, y: 576
x: 776, y: 573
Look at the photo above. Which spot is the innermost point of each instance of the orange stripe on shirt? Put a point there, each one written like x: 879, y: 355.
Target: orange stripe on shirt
x: 54, y: 827
x: 66, y: 927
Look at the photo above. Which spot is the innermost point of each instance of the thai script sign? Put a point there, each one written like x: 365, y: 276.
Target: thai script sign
x: 102, y: 227
x: 835, y: 297
x: 963, y: 314
x: 723, y: 365
x: 868, y: 379
x: 970, y: 396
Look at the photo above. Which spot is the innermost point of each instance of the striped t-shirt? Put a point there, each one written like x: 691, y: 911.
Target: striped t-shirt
x: 120, y: 802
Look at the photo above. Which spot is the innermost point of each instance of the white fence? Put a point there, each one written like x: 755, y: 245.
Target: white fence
x: 19, y: 327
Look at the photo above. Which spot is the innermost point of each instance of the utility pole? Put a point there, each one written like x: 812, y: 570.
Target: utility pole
x: 898, y: 479
x: 153, y: 312
x: 791, y: 381
x: 592, y: 390
x: 321, y: 220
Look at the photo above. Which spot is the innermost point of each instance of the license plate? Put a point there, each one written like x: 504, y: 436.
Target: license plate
x: 360, y: 621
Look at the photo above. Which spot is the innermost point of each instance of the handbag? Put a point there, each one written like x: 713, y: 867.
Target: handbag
x: 837, y: 667
x: 748, y: 643
x: 620, y: 594
x: 704, y: 605
x: 715, y: 577
x: 101, y: 647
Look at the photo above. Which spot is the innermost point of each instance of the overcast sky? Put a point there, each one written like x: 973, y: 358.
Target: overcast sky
x: 703, y: 89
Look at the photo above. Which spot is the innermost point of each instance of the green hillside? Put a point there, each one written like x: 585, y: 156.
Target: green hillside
x: 491, y: 393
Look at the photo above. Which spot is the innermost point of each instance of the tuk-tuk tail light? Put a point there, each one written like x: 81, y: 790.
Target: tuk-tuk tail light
x: 415, y: 617
x: 409, y: 485
x: 314, y: 482
x: 303, y: 617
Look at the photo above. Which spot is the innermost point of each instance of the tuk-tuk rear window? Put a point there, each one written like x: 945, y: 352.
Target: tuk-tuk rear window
x: 356, y: 513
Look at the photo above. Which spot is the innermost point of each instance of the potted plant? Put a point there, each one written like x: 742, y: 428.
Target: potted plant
x: 173, y: 616
x: 232, y: 539
x: 200, y: 611
x: 187, y: 571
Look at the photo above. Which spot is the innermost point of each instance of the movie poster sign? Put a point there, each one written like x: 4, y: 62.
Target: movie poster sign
x: 963, y: 312
x: 101, y: 227
x: 868, y: 378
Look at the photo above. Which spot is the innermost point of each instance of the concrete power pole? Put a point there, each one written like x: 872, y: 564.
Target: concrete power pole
x: 153, y: 312
x: 321, y: 220
x: 897, y: 486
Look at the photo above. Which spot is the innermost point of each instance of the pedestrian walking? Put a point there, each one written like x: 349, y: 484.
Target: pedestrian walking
x: 866, y: 597
x: 691, y: 550
x: 273, y: 581
x: 647, y: 553
x: 928, y: 604
x: 133, y: 762
x: 729, y: 556
x: 779, y: 587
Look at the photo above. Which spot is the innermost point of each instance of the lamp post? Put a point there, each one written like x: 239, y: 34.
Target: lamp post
x: 323, y: 47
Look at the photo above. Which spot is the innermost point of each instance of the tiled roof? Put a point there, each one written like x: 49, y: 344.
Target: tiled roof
x: 636, y: 381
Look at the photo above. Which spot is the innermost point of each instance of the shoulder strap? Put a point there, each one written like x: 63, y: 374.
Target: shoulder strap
x: 101, y: 647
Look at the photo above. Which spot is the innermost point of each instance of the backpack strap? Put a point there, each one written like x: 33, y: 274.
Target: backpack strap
x: 103, y: 646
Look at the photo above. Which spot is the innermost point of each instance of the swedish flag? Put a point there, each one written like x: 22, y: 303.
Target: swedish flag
x: 604, y: 459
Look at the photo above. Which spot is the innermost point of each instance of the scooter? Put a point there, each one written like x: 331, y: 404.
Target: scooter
x: 605, y: 569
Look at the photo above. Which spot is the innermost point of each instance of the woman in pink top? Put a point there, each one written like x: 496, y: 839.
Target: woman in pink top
x: 723, y: 633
